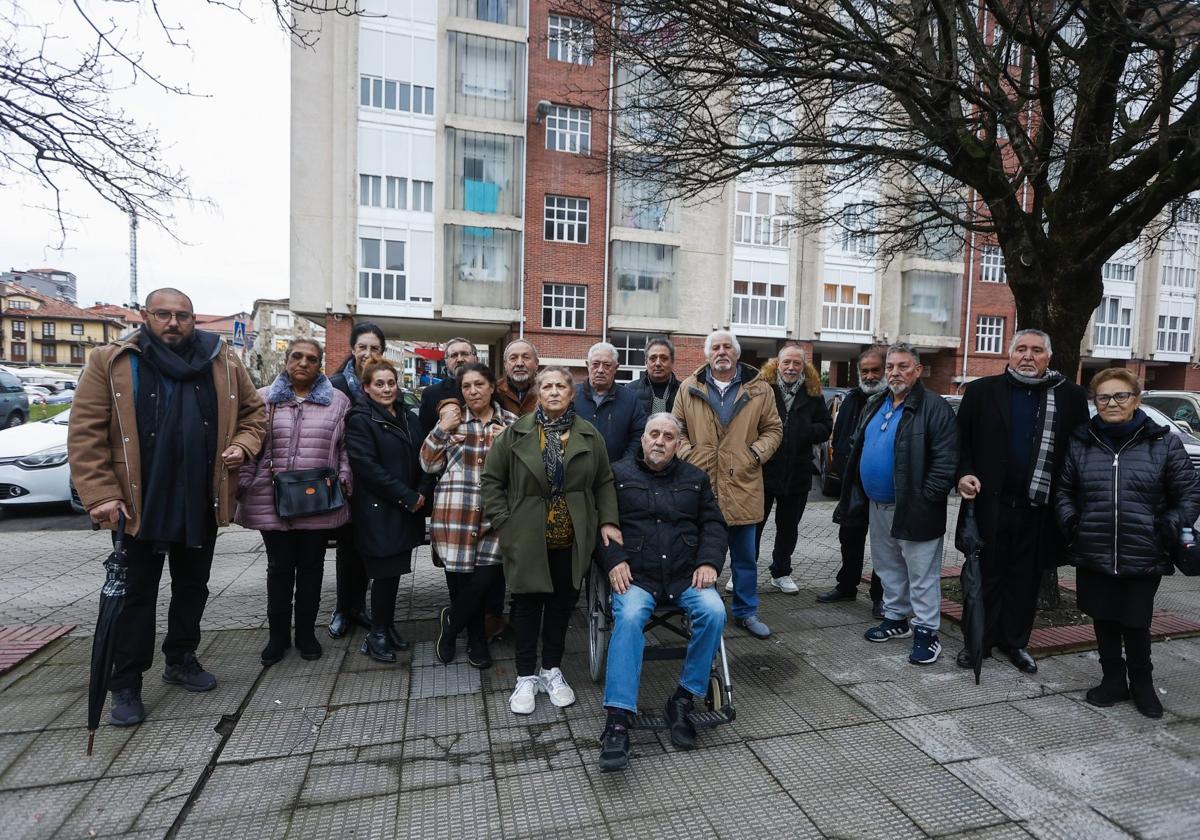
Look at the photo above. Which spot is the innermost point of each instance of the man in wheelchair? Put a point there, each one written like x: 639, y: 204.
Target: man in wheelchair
x: 674, y: 548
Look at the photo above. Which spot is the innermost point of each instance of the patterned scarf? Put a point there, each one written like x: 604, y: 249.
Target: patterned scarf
x: 1043, y: 466
x: 552, y: 453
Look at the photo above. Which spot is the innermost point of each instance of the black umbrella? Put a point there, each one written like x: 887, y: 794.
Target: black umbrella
x: 968, y: 541
x: 112, y: 599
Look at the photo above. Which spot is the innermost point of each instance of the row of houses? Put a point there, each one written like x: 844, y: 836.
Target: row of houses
x: 448, y: 178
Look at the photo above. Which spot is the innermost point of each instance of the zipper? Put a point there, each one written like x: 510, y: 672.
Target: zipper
x: 1116, y: 476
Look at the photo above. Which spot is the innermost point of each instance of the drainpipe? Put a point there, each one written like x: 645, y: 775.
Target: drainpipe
x: 608, y: 155
x: 970, y: 293
x: 524, y: 188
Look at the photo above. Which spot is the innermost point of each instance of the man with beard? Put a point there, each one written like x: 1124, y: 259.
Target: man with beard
x: 901, y: 468
x: 1013, y: 430
x: 161, y: 422
x: 515, y: 391
x: 853, y: 538
x: 459, y: 353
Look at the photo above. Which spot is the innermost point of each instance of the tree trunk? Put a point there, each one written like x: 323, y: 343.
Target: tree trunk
x: 1048, y: 593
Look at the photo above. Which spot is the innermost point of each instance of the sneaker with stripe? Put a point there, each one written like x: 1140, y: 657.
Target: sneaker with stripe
x: 890, y: 628
x: 926, y: 647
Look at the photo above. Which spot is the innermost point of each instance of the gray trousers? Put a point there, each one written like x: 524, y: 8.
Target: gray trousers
x: 911, y: 572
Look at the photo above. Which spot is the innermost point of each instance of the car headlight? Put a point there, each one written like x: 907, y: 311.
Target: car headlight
x: 55, y: 456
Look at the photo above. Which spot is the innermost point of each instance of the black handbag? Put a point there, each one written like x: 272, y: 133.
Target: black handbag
x: 301, y: 493
x: 1187, y: 559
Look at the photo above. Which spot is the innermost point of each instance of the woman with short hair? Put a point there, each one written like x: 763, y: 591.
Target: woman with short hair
x: 547, y: 489
x: 383, y: 439
x: 462, y: 536
x: 1126, y: 491
x: 306, y: 424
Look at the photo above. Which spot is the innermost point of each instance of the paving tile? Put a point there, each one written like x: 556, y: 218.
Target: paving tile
x: 11, y: 746
x: 544, y: 804
x: 367, y: 818
x: 293, y: 692
x: 446, y: 760
x: 165, y: 745
x: 113, y: 805
x: 445, y: 680
x: 273, y: 734
x: 691, y: 823
x: 534, y: 749
x: 38, y: 812
x: 461, y: 812
x: 370, y: 687
x: 59, y: 757
x: 254, y: 788
x: 440, y: 715
x: 21, y: 713
x: 252, y: 827
x: 356, y: 726
x: 338, y: 782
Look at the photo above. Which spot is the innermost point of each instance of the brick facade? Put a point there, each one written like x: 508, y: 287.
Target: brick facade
x: 337, y: 340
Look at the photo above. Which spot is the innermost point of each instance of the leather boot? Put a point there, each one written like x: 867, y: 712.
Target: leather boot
x: 377, y: 646
x: 1112, y: 688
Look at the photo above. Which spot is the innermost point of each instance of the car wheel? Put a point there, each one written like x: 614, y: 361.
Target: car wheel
x: 15, y: 419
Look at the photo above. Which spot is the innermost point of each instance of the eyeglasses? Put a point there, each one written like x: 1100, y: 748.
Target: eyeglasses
x: 164, y: 316
x: 1120, y: 398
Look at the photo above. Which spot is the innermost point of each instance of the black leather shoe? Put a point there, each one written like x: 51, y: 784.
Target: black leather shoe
x: 836, y: 594
x: 964, y: 659
x: 1022, y: 661
x: 338, y: 625
x: 614, y: 747
x: 683, y: 733
x: 376, y: 646
x: 443, y: 648
x: 360, y: 616
x: 397, y: 641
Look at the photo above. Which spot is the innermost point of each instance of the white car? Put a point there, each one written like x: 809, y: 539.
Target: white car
x: 37, y: 394
x: 1190, y: 442
x: 33, y: 464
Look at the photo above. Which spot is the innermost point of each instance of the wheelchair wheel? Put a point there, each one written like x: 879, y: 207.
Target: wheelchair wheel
x: 598, y: 623
x: 716, y: 695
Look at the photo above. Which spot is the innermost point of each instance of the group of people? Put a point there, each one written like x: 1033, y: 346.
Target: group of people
x: 528, y: 479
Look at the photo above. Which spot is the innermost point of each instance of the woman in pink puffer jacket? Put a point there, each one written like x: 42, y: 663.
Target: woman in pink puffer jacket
x: 306, y: 428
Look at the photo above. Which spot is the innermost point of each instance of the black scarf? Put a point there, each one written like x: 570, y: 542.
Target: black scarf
x: 1118, y: 434
x: 177, y: 432
x: 552, y: 454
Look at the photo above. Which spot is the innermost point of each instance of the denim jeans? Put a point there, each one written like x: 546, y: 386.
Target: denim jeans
x: 911, y: 571
x: 631, y: 611
x: 743, y: 561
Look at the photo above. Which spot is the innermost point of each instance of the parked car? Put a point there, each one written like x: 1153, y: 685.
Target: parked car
x: 37, y: 394
x: 33, y: 463
x: 1180, y: 406
x: 14, y: 402
x: 64, y: 397
x: 831, y: 483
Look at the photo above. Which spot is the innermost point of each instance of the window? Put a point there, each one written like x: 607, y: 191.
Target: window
x: 1119, y: 271
x: 77, y: 329
x: 47, y: 329
x: 569, y: 129
x: 643, y: 266
x: 1174, y: 333
x: 1179, y: 259
x: 566, y: 219
x: 20, y: 304
x: 989, y: 334
x: 508, y: 12
x: 640, y: 205
x: 370, y: 91
x: 18, y: 329
x: 930, y: 303
x: 761, y: 219
x: 484, y: 172
x: 856, y: 232
x: 631, y: 354
x: 991, y: 265
x: 488, y: 77
x: 76, y: 354
x: 482, y: 266
x: 381, y: 269
x: 397, y: 193
x: 569, y: 40
x: 49, y: 354
x: 1114, y: 324
x: 394, y: 95
x: 369, y: 187
x: 422, y: 196
x: 19, y: 351
x: 283, y: 320
x: 845, y: 309
x: 759, y: 294
x: 564, y: 306
x: 280, y: 345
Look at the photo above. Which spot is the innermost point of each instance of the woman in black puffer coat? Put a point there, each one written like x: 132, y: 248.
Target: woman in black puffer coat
x: 1126, y: 490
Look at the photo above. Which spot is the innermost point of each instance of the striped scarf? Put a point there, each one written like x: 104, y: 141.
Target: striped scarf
x: 1043, y: 462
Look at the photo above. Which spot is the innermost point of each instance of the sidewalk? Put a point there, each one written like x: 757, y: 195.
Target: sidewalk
x: 835, y: 736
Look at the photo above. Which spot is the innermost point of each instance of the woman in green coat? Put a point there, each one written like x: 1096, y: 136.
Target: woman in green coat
x: 547, y: 488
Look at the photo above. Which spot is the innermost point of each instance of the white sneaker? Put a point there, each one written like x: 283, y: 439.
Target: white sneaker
x: 524, y: 698
x: 555, y: 684
x: 729, y: 584
x: 785, y: 585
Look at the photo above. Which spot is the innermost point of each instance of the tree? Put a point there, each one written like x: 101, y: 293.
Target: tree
x: 58, y: 78
x: 1060, y: 128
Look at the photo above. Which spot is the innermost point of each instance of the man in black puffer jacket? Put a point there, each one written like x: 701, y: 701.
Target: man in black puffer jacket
x: 674, y: 545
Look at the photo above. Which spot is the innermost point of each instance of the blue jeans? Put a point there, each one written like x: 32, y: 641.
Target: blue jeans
x: 631, y: 611
x: 743, y: 561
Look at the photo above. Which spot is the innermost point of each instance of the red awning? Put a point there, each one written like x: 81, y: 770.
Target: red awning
x: 431, y: 353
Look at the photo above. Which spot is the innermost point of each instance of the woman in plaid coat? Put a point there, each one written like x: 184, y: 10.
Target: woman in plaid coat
x: 462, y: 538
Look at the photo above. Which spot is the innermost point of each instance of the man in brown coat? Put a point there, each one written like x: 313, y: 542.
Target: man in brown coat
x: 731, y: 427
x: 162, y: 420
x: 515, y: 392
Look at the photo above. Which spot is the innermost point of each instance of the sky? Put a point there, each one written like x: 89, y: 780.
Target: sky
x: 232, y: 143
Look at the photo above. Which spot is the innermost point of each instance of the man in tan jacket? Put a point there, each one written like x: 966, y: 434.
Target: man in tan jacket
x: 162, y: 420
x: 731, y: 427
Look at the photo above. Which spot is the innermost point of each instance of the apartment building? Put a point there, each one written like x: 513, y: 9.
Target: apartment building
x: 51, y: 282
x: 36, y: 329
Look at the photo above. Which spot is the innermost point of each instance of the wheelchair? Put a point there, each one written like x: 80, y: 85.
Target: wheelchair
x: 718, y: 701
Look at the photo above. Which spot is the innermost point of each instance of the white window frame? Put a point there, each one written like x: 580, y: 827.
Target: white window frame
x: 855, y: 233
x: 753, y: 227
x: 1113, y: 326
x: 375, y: 279
x: 989, y: 334
x: 838, y: 315
x: 566, y: 219
x: 991, y: 265
x: 1119, y: 272
x: 564, y: 306
x: 569, y: 129
x: 569, y: 39
x: 370, y: 190
x: 396, y: 192
x: 1179, y: 254
x: 1174, y: 334
x: 421, y: 196
x: 758, y: 303
x: 386, y: 94
x: 627, y: 343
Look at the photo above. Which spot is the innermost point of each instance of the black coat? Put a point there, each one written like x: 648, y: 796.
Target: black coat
x: 338, y: 380
x: 984, y: 423
x: 789, y: 472
x: 926, y: 460
x: 620, y: 418
x: 670, y: 523
x: 388, y: 479
x: 645, y: 390
x: 447, y: 389
x: 1122, y: 515
x: 843, y: 428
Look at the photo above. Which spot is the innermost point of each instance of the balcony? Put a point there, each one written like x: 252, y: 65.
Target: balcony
x: 930, y: 311
x: 644, y: 283
x: 759, y: 307
x: 482, y: 267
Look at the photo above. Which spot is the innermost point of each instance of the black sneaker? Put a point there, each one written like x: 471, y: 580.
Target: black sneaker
x: 683, y: 732
x: 127, y: 707
x: 444, y: 647
x: 190, y: 674
x: 481, y: 658
x: 614, y: 747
